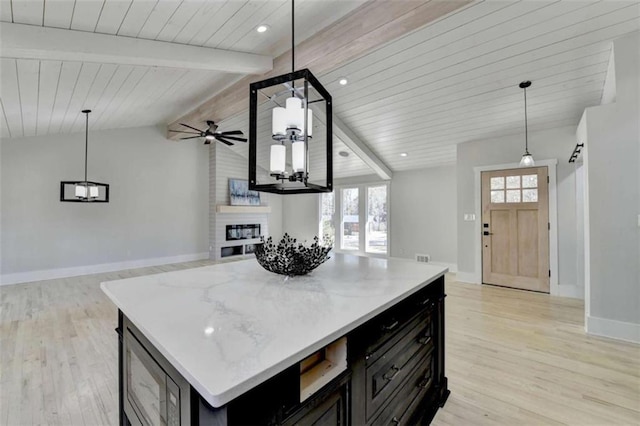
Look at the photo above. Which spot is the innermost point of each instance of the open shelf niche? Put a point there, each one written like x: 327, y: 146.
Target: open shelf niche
x: 322, y: 367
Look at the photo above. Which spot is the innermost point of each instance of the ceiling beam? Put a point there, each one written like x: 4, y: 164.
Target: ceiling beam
x: 361, y: 149
x: 373, y: 24
x: 355, y: 144
x: 33, y: 42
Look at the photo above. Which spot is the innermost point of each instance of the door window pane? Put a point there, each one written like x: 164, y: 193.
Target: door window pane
x: 513, y: 182
x: 350, y: 219
x: 497, y: 196
x: 529, y: 195
x: 497, y: 182
x: 377, y: 219
x: 529, y: 181
x: 513, y: 196
x: 327, y: 230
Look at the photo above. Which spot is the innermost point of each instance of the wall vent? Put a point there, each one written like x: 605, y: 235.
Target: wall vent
x: 424, y: 258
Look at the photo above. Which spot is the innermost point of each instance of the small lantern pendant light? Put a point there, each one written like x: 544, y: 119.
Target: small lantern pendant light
x: 84, y: 191
x: 527, y: 159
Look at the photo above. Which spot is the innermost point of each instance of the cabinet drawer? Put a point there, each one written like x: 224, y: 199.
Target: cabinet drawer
x: 408, y: 399
x: 387, y: 329
x: 390, y: 370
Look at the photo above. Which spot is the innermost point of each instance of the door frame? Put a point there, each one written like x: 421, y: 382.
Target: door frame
x: 554, y: 288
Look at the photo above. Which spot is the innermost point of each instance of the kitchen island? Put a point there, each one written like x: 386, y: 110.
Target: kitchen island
x: 358, y: 341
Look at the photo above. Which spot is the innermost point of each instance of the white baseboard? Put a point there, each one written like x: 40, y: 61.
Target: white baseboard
x: 467, y: 277
x: 453, y: 267
x: 50, y: 274
x: 572, y: 291
x: 620, y: 330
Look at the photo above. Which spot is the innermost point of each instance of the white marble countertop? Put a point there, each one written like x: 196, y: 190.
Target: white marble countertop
x: 229, y: 327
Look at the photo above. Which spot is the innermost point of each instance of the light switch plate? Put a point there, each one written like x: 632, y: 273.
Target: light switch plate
x: 470, y: 217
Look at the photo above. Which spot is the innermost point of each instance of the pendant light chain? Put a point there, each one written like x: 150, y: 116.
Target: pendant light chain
x: 293, y: 40
x: 526, y: 124
x: 293, y: 46
x: 86, y: 144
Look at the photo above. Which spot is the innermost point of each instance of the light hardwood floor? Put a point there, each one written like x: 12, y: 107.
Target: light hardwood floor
x: 513, y: 357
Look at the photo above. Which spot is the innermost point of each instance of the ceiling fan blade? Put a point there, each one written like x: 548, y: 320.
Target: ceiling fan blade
x: 233, y: 132
x: 233, y: 138
x: 182, y: 131
x: 191, y: 137
x: 224, y: 141
x: 191, y: 127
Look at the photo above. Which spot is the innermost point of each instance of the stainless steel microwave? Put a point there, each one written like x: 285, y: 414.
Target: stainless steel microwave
x: 154, y: 393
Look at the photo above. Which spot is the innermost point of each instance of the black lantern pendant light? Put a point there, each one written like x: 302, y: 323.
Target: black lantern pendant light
x: 306, y: 169
x: 527, y: 159
x: 84, y: 191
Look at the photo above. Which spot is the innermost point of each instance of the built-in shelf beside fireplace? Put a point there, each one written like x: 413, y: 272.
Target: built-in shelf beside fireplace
x: 238, y: 250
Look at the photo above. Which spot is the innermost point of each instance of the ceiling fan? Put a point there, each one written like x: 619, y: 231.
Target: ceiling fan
x: 212, y: 134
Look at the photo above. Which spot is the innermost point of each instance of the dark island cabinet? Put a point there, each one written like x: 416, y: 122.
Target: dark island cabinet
x: 394, y: 375
x: 397, y: 362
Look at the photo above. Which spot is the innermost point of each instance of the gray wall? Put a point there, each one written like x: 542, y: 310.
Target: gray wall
x: 158, y: 206
x: 612, y: 163
x: 423, y: 219
x: 301, y: 216
x: 554, y: 143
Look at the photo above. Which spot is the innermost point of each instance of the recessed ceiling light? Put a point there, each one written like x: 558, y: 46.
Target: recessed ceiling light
x: 262, y: 28
x: 343, y: 81
x: 343, y: 154
x: 403, y: 154
x: 209, y: 331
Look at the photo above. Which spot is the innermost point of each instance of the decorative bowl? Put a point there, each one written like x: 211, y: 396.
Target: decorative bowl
x: 290, y: 257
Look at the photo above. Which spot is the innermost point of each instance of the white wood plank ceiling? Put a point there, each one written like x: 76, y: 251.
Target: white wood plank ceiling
x: 456, y: 80
x: 39, y: 97
x: 452, y: 81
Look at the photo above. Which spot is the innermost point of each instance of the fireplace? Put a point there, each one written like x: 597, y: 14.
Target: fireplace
x: 242, y: 232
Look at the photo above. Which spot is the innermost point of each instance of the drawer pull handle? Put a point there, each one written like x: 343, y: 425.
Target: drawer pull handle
x: 424, y: 302
x: 395, y: 421
x: 424, y: 340
x: 425, y: 382
x: 390, y: 326
x: 395, y: 373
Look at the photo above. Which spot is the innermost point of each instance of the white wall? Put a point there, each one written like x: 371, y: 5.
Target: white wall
x: 423, y: 218
x: 551, y: 144
x: 158, y: 201
x: 612, y: 164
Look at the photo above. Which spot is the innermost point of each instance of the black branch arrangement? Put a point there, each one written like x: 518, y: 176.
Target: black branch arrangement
x: 289, y: 257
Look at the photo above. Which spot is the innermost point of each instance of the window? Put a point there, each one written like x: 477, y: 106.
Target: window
x: 518, y: 189
x: 327, y: 228
x: 356, y: 217
x: 377, y: 219
x: 350, y: 219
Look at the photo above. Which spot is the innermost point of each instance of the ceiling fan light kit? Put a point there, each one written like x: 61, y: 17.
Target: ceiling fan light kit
x: 84, y: 191
x: 527, y: 158
x: 291, y: 130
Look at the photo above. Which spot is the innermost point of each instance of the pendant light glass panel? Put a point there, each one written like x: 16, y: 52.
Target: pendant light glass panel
x: 527, y: 161
x: 81, y: 191
x: 278, y: 159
